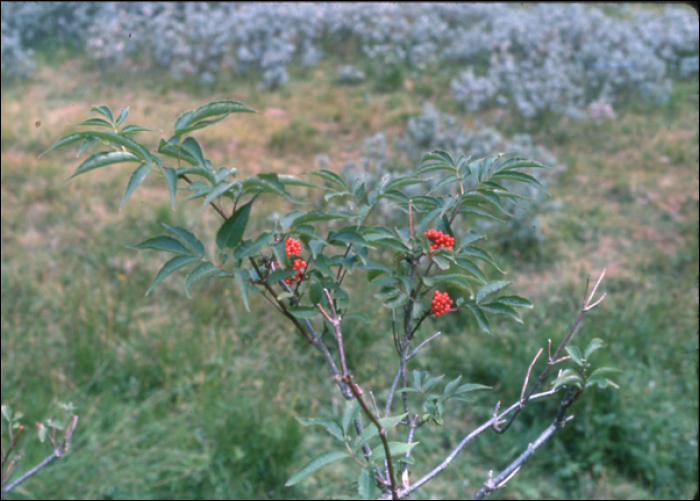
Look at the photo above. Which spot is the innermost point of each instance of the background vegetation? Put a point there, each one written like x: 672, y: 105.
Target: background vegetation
x: 195, y: 399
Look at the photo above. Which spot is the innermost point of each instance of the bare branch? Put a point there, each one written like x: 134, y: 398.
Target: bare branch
x: 499, y: 481
x: 415, y: 352
x: 382, y: 432
x: 391, y: 392
x: 478, y: 431
x: 57, y: 452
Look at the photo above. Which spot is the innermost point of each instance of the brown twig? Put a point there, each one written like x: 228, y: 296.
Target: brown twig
x: 382, y: 432
x: 553, y: 358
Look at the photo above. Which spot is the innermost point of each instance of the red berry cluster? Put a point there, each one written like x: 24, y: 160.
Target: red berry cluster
x: 439, y: 239
x: 441, y: 303
x: 293, y: 247
x: 299, y: 264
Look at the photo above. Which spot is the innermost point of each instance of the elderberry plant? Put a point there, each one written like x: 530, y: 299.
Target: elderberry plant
x: 298, y: 265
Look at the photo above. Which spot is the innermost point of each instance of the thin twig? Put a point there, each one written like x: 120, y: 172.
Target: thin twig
x: 415, y: 352
x: 527, y: 377
x: 471, y: 436
x: 56, y: 453
x: 553, y: 358
x: 382, y: 432
x: 391, y: 391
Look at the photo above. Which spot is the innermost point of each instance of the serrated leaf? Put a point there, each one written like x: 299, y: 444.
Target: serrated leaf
x: 522, y: 177
x: 480, y: 317
x: 397, y: 301
x: 122, y: 116
x: 472, y: 268
x: 231, y: 232
x: 481, y: 254
x: 595, y: 344
x: 352, y: 408
x: 432, y: 382
x: 349, y: 237
x: 280, y: 274
x: 316, y: 464
x: 249, y: 248
x: 517, y: 301
x: 470, y: 387
x: 602, y: 383
x: 449, y: 388
x: 242, y: 276
x: 518, y: 163
x: 195, y: 119
x: 171, y: 178
x: 403, y: 181
x: 130, y: 129
x: 164, y: 243
x: 438, y: 155
x: 203, y: 270
x: 104, y: 111
x: 137, y: 177
x: 287, y: 220
x: 87, y: 142
x: 267, y: 183
x: 319, y: 215
x: 112, y: 137
x: 96, y: 121
x: 395, y: 449
x: 372, y: 431
x: 173, y: 265
x: 490, y: 289
x: 217, y: 190
x: 502, y: 309
x: 479, y: 212
x: 188, y: 237
x: 303, y: 311
x: 192, y: 147
x: 328, y: 424
x: 604, y: 371
x: 331, y: 177
x: 568, y: 377
x: 365, y: 484
x: 575, y: 355
x: 323, y: 263
x: 103, y: 159
x: 295, y: 181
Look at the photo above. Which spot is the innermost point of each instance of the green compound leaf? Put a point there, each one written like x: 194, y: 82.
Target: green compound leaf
x: 316, y: 464
x: 231, y: 232
x: 103, y: 159
x: 303, y: 311
x: 163, y: 243
x: 122, y: 116
x: 137, y: 177
x: 480, y: 317
x: 351, y: 410
x: 517, y: 301
x: 174, y: 264
x: 328, y: 424
x: 395, y: 449
x: 96, y: 121
x: 171, y: 178
x: 188, y: 237
x: 195, y: 119
x: 205, y: 269
x: 490, y: 289
x: 366, y: 483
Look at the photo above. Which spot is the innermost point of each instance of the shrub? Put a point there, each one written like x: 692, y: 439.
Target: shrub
x: 300, y: 270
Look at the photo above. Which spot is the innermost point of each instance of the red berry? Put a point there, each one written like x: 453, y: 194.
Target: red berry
x: 441, y: 303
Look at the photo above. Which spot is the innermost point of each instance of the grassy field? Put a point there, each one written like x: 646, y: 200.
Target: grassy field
x: 195, y: 399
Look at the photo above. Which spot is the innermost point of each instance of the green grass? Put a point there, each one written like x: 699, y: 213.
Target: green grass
x: 195, y: 399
